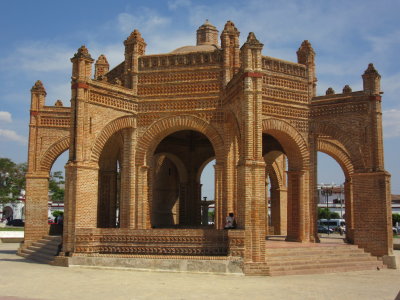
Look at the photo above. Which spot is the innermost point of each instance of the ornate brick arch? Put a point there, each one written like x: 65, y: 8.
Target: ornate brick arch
x: 164, y: 127
x: 54, y: 151
x: 325, y: 130
x: 338, y: 152
x: 291, y: 140
x: 270, y: 160
x: 111, y: 128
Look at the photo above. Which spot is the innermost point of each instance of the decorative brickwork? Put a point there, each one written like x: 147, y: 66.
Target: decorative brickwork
x: 140, y: 134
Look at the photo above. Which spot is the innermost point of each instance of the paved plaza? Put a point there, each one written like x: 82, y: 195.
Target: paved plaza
x: 23, y: 279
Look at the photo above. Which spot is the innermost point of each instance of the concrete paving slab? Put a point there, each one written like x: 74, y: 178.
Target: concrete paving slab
x: 29, y: 280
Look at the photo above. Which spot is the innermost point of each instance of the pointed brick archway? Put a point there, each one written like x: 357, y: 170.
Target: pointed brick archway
x: 189, y: 191
x: 299, y: 213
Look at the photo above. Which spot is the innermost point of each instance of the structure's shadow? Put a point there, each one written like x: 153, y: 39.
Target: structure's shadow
x: 8, y: 251
x: 398, y: 296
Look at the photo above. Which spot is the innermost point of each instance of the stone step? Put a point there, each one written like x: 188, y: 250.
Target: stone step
x: 328, y: 265
x: 311, y: 252
x: 37, y: 256
x: 332, y: 268
x: 322, y: 261
x: 51, y: 239
x: 313, y: 247
x: 303, y: 256
x: 45, y: 245
x: 44, y: 250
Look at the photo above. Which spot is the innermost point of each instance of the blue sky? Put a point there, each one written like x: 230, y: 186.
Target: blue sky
x: 37, y: 39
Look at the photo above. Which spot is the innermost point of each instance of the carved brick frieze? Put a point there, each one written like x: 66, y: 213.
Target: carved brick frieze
x: 113, y: 101
x: 273, y: 109
x: 276, y: 65
x: 338, y: 109
x: 179, y: 60
x: 280, y: 82
x: 179, y: 89
x: 181, y: 105
x: 164, y: 77
x: 48, y: 121
x: 154, y: 243
x: 284, y: 95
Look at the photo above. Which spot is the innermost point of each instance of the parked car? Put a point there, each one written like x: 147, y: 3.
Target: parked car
x: 324, y: 229
x: 16, y: 222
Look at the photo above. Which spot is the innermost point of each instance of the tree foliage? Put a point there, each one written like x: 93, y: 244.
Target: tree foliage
x: 12, y: 179
x: 325, y: 213
x: 56, y: 187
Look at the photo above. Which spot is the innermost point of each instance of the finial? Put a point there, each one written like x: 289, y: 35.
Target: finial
x: 347, y: 89
x: 102, y: 59
x: 38, y: 87
x: 59, y: 103
x: 251, y: 38
x: 371, y: 69
x: 83, y: 52
x: 330, y: 91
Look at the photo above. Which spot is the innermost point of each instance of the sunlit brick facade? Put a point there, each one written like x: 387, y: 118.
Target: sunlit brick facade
x: 140, y: 134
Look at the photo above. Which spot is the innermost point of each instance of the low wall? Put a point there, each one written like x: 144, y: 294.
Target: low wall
x: 11, y: 236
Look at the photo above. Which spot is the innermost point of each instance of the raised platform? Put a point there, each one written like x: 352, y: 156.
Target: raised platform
x: 192, y: 264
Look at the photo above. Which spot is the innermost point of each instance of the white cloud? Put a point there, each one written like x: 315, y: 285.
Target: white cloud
x: 13, y: 136
x: 175, y: 4
x: 391, y: 123
x: 5, y: 116
x: 40, y: 56
x: 146, y: 21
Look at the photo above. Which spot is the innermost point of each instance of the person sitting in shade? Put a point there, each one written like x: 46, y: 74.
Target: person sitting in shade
x: 230, y: 221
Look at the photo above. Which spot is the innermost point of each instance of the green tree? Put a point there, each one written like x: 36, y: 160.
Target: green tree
x: 12, y: 179
x: 56, y: 187
x: 325, y: 213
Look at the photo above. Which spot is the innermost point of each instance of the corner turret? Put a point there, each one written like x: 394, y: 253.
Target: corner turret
x: 371, y: 81
x: 306, y: 56
x: 82, y: 64
x: 251, y: 54
x: 101, y: 67
x: 231, y: 52
x: 38, y: 96
x: 135, y: 46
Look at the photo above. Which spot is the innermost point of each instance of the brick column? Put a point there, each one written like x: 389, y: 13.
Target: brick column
x: 372, y: 212
x: 349, y: 209
x: 36, y: 207
x: 81, y: 201
x: 143, y: 194
x: 279, y: 210
x: 297, y: 203
x: 220, y: 207
x: 128, y: 200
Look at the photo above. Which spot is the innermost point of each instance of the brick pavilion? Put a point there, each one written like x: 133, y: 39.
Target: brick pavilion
x: 140, y: 134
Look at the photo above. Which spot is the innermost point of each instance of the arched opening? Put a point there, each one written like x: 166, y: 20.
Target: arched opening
x: 207, y: 181
x: 175, y: 181
x: 276, y: 186
x: 110, y: 162
x: 331, y: 197
x: 57, y: 188
x: 284, y: 152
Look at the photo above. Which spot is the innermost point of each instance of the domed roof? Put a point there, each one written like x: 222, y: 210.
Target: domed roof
x: 198, y: 48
